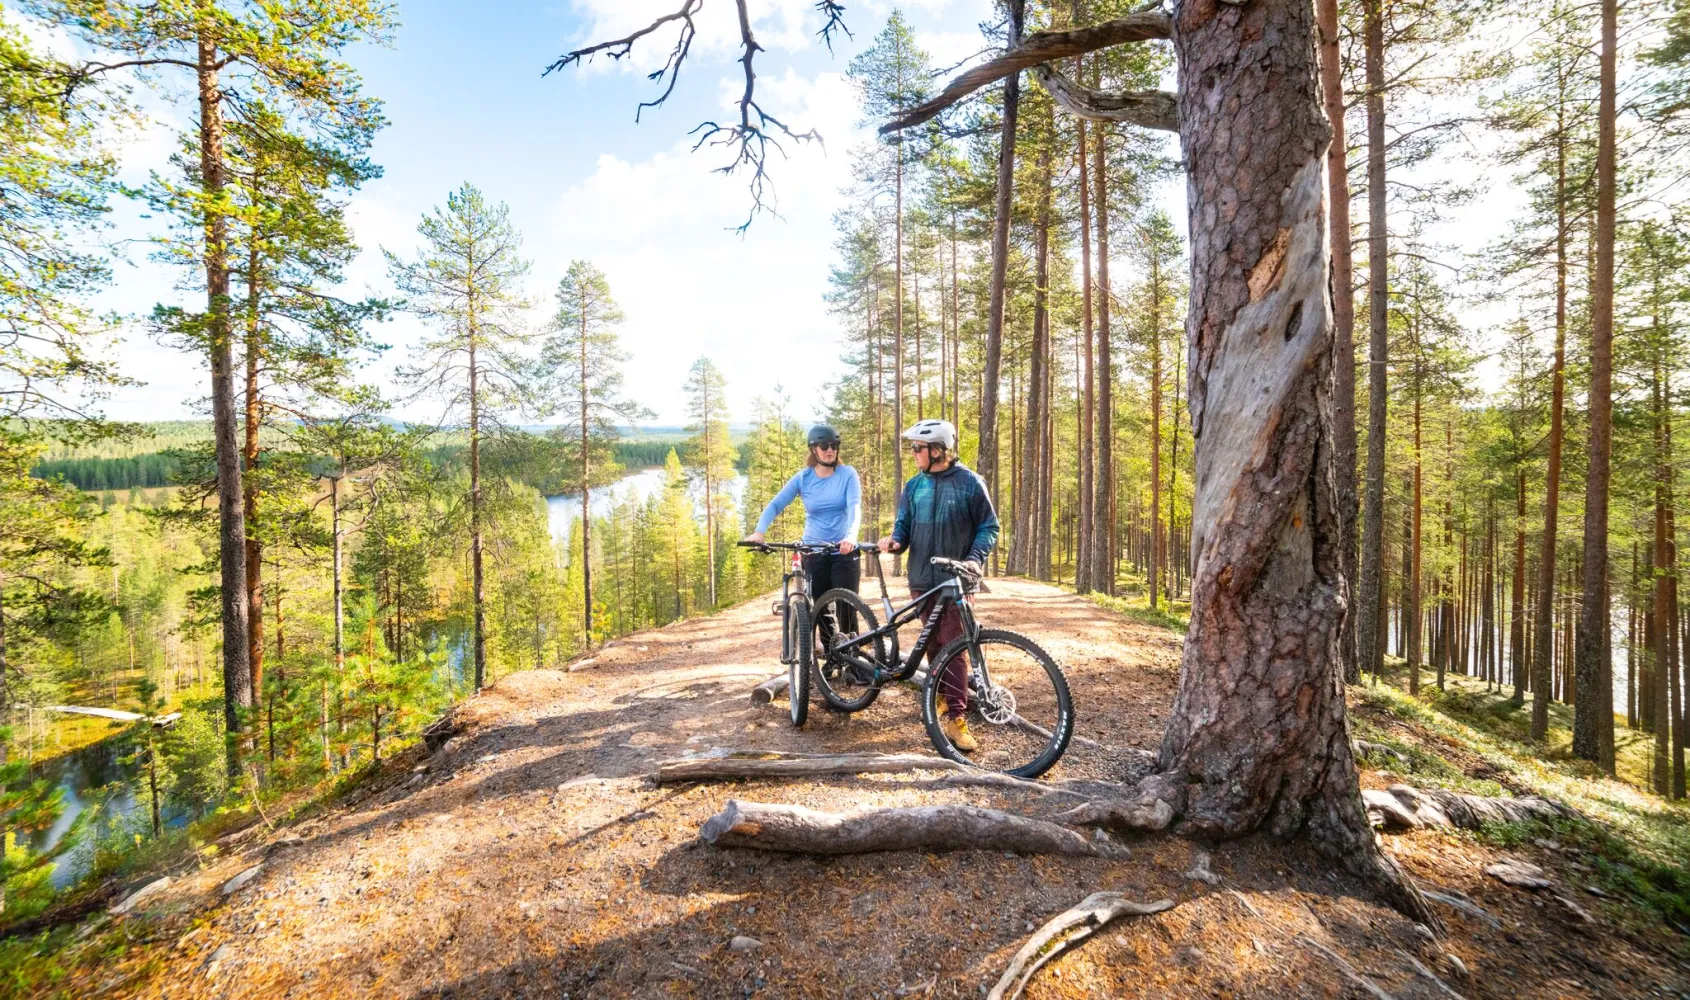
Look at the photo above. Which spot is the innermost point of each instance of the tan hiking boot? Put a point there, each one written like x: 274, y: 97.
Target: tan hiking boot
x: 955, y: 728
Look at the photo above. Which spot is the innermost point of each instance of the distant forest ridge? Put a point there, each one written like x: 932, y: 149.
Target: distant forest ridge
x: 151, y: 458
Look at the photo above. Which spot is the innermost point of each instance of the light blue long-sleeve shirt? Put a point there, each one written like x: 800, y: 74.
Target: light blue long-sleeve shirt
x: 833, y: 505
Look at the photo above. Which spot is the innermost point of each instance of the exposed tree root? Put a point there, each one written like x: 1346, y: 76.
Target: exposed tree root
x: 1344, y: 968
x: 1407, y: 808
x: 754, y: 764
x: 799, y: 830
x: 1151, y: 805
x: 1465, y: 906
x: 1065, y: 930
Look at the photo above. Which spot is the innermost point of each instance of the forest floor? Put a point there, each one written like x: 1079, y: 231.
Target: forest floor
x: 532, y: 856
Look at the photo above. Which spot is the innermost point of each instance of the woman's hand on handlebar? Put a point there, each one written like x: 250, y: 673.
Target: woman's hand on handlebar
x: 847, y: 547
x: 755, y: 538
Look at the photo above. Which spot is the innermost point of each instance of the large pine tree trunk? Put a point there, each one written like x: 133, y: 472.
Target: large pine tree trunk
x: 1663, y: 618
x: 1258, y: 731
x: 988, y: 457
x: 237, y: 672
x: 1593, y: 710
x: 1025, y: 541
x: 1517, y: 593
x: 1362, y: 620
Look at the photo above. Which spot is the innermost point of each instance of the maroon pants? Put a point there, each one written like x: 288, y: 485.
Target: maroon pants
x: 953, y: 686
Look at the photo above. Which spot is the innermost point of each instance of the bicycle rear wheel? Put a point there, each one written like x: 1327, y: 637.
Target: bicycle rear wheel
x: 1019, y: 708
x: 803, y: 661
x: 840, y: 617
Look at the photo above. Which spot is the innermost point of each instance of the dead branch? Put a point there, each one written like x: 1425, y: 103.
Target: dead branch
x: 798, y: 830
x: 1344, y: 968
x: 767, y: 691
x: 1406, y: 808
x: 1084, y: 919
x: 1043, y: 46
x: 1155, y: 109
x: 751, y: 764
x: 757, y: 132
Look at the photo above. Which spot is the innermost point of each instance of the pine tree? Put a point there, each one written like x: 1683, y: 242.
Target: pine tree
x: 584, y: 355
x: 710, y: 455
x: 466, y: 283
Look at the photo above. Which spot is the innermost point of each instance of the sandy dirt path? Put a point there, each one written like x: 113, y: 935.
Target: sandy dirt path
x: 532, y: 857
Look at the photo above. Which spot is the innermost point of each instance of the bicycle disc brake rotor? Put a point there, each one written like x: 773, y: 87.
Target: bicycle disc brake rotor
x: 997, y: 705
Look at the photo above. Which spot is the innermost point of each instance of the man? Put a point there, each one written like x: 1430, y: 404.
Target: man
x: 943, y: 511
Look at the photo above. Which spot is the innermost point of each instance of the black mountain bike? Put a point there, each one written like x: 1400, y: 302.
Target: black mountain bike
x: 795, y: 608
x: 1012, y: 693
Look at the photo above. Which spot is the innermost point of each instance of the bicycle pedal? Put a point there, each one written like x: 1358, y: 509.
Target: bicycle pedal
x: 775, y: 610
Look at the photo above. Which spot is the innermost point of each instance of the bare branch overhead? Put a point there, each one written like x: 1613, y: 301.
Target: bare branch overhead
x: 1146, y: 108
x: 1039, y: 48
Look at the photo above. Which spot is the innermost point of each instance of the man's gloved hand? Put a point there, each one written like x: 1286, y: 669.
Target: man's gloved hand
x: 972, y: 568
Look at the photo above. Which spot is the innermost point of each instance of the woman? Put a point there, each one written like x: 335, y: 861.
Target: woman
x: 833, y: 513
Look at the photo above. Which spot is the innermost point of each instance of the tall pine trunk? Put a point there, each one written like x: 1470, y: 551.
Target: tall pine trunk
x: 1542, y: 644
x: 477, y: 578
x: 988, y: 457
x: 1103, y: 486
x: 1363, y: 619
x: 237, y: 667
x: 586, y: 499
x: 249, y: 466
x: 1593, y: 709
x: 1153, y: 576
x: 1378, y: 333
x: 1083, y: 562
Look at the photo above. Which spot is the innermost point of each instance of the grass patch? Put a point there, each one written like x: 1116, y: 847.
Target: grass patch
x: 1175, y: 616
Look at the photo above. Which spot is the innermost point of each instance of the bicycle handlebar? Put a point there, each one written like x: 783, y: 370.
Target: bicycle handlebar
x: 800, y: 547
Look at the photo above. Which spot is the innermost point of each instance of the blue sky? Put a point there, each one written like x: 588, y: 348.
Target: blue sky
x: 466, y: 102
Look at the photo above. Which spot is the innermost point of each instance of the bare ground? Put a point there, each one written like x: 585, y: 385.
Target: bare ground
x: 534, y: 858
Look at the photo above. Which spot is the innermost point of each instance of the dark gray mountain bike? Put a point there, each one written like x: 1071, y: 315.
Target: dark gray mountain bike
x: 1012, y: 693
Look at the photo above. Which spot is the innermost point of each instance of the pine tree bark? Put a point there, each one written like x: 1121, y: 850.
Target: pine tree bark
x: 1103, y: 493
x: 1258, y: 730
x: 1378, y: 332
x: 1593, y: 709
x: 1153, y: 575
x: 1083, y: 562
x: 1542, y: 644
x: 1517, y: 593
x: 1363, y: 619
x: 1663, y: 617
x: 237, y: 666
x: 586, y: 498
x: 988, y: 457
x: 477, y: 579
x: 249, y: 468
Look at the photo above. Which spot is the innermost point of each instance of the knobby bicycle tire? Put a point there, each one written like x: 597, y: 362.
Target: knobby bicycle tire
x: 1056, y: 732
x: 803, y: 660
x: 847, y: 692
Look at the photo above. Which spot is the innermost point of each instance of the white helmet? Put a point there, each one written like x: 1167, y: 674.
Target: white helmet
x: 939, y: 432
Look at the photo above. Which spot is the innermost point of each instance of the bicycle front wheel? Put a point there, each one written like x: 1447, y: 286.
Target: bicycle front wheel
x: 842, y: 616
x: 1015, y: 705
x: 803, y: 661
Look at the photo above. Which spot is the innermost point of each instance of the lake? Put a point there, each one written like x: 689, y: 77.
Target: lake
x: 563, y: 509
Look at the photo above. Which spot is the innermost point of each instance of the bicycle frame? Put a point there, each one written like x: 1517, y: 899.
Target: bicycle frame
x: 950, y: 592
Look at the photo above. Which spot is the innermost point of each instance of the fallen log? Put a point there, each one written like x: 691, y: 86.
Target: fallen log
x: 1083, y: 919
x: 756, y: 765
x: 770, y: 689
x: 797, y: 830
x: 1404, y: 807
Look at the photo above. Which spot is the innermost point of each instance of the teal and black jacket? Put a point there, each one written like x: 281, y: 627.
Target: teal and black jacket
x: 948, y: 515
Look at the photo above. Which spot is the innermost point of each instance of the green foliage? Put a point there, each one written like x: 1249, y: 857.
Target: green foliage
x: 193, y: 752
